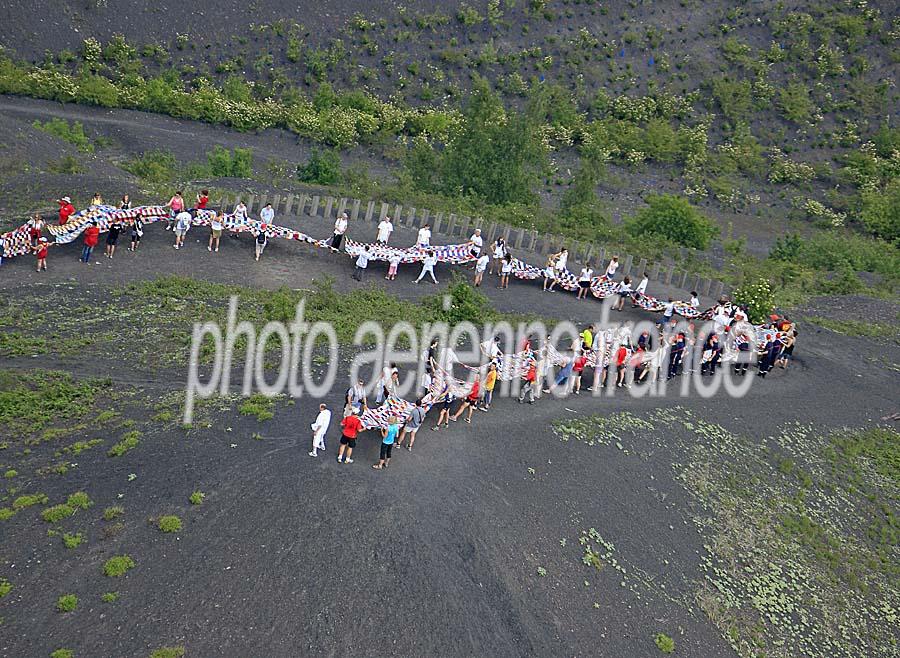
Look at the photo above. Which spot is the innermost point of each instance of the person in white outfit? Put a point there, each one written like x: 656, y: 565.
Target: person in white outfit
x: 340, y: 227
x: 424, y: 237
x: 323, y: 420
x: 428, y: 267
x: 267, y: 214
x: 612, y: 267
x: 385, y: 228
x: 477, y: 243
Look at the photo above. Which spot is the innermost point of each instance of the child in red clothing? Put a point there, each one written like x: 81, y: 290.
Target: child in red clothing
x: 470, y: 402
x: 40, y: 250
x: 202, y: 200
x: 577, y: 370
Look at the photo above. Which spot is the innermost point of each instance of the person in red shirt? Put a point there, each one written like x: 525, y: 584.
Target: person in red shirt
x: 577, y: 369
x: 91, y: 235
x: 202, y: 200
x: 351, y: 426
x: 40, y: 250
x: 621, y: 368
x: 529, y: 377
x: 66, y: 210
x: 470, y: 402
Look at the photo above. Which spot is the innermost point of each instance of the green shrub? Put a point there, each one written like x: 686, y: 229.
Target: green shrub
x: 322, y: 168
x: 62, y: 653
x: 6, y: 513
x: 67, y: 603
x: 57, y: 513
x: 880, y: 211
x: 5, y: 587
x: 794, y: 102
x: 110, y: 597
x: 154, y: 167
x: 237, y: 163
x: 72, y: 540
x: 79, y: 500
x: 197, y: 498
x: 675, y: 219
x: 23, y: 502
x: 11, y: 473
x: 117, y: 566
x: 758, y: 298
x: 169, y: 523
x: 129, y: 442
x: 467, y: 304
x: 74, y: 133
x: 664, y: 643
x: 259, y: 405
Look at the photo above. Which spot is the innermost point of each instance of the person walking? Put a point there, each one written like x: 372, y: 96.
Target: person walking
x: 428, y: 267
x: 40, y: 250
x: 112, y: 238
x: 215, y: 231
x: 470, y: 401
x: 529, y: 379
x: 641, y: 289
x: 340, y: 228
x: 393, y: 265
x: 362, y: 262
x: 389, y: 435
x: 351, y: 426
x: 319, y: 427
x: 506, y: 270
x: 490, y: 381
x: 182, y: 226
x: 562, y: 377
x: 423, y: 239
x: 560, y: 261
x: 444, y: 416
x: 676, y: 354
x: 499, y: 251
x: 262, y: 239
x: 137, y: 232
x: 91, y: 237
x: 578, y: 371
x: 480, y: 266
x: 411, y: 427
x: 385, y: 228
x: 584, y: 281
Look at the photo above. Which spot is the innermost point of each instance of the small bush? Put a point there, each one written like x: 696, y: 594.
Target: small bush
x: 322, y: 168
x: 674, y: 218
x: 62, y: 653
x: 258, y: 405
x: 237, y: 163
x: 110, y: 597
x: 11, y: 473
x: 114, y: 512
x: 72, y: 540
x: 197, y: 498
x: 74, y: 133
x: 79, y: 500
x: 758, y: 298
x: 129, y: 442
x: 154, y: 167
x: 664, y: 643
x: 24, y: 502
x: 57, y: 513
x: 5, y: 587
x: 117, y: 566
x: 67, y: 603
x: 169, y: 523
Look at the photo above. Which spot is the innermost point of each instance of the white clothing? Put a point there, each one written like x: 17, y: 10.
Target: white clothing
x: 499, y: 250
x: 424, y: 237
x: 611, y: 268
x: 562, y: 261
x: 586, y: 274
x: 183, y: 221
x: 695, y: 303
x: 477, y: 243
x: 506, y: 268
x: 323, y: 420
x: 340, y: 226
x: 385, y: 228
x: 363, y: 260
x: 482, y: 263
x: 642, y: 286
x: 267, y: 215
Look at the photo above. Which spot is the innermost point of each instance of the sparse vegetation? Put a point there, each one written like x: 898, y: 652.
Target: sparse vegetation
x: 110, y: 597
x: 72, y: 539
x: 118, y: 566
x: 112, y: 513
x: 664, y: 643
x: 197, y: 498
x: 168, y: 652
x: 129, y: 441
x: 67, y: 603
x: 169, y: 523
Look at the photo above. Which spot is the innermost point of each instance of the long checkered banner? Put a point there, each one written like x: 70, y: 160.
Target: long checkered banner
x: 19, y: 242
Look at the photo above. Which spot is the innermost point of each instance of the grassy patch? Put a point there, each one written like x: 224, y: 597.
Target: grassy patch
x: 80, y: 446
x: 67, y: 603
x: 110, y: 597
x: 258, y: 405
x: 197, y: 498
x: 169, y: 523
x: 29, y: 500
x: 57, y: 513
x: 129, y: 441
x: 168, y: 652
x: 857, y: 328
x: 5, y: 587
x: 79, y: 500
x: 664, y: 643
x: 117, y: 566
x: 72, y: 133
x: 11, y: 473
x: 31, y: 400
x: 72, y: 539
x: 63, y: 653
x: 112, y: 513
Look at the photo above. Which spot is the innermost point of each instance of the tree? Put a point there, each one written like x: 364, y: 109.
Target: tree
x: 674, y: 218
x: 495, y: 156
x: 323, y: 168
